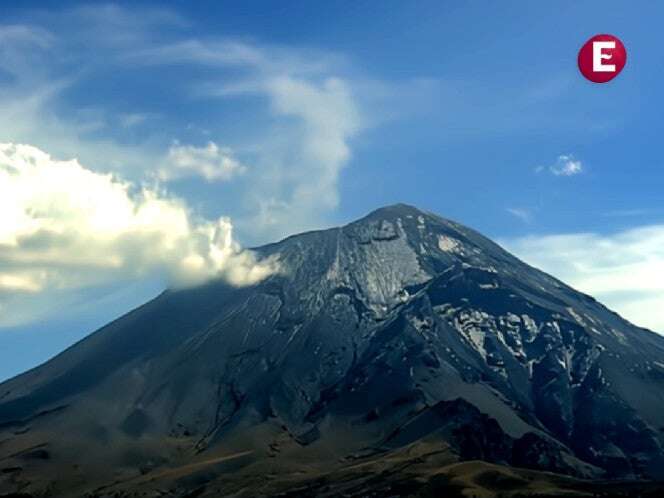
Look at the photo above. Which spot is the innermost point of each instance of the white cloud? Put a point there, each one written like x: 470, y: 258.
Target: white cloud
x: 566, y: 165
x: 211, y: 162
x: 623, y: 270
x: 66, y: 227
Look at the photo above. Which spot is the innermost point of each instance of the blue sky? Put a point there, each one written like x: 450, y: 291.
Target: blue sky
x: 282, y: 118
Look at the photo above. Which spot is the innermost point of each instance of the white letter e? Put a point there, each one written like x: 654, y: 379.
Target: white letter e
x: 598, y: 56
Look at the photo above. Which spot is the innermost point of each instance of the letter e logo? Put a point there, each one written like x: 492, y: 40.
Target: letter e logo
x: 602, y: 58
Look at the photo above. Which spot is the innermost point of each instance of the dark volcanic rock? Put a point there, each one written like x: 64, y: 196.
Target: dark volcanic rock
x: 398, y: 329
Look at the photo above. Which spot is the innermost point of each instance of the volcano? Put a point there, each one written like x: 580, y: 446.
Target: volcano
x: 397, y: 355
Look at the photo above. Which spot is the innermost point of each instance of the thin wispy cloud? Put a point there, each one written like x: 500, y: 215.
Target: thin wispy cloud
x: 129, y: 120
x: 522, y: 214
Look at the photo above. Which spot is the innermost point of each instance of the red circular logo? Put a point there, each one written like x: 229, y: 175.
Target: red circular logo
x: 602, y: 58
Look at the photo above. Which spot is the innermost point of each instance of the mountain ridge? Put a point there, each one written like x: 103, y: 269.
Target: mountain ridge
x: 399, y: 330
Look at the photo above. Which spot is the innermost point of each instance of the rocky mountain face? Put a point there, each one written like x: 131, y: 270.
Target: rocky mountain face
x: 402, y: 330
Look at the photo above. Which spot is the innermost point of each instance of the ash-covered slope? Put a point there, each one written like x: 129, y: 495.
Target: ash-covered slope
x: 398, y: 330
